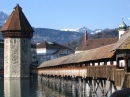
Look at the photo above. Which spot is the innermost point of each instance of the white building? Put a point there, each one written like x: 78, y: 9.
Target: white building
x: 34, y: 60
x: 51, y: 50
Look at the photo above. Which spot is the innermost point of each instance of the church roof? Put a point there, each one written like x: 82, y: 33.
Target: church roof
x: 17, y: 21
x: 96, y: 43
x: 122, y: 25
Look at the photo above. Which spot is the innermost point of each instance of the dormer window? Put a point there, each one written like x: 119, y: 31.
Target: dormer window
x: 102, y: 44
x: 121, y: 35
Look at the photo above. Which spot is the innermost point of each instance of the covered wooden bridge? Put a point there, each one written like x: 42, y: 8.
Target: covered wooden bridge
x: 111, y: 62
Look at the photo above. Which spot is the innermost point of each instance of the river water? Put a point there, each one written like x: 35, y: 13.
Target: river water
x: 38, y: 88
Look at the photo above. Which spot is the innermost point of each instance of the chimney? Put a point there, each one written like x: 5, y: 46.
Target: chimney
x: 86, y: 36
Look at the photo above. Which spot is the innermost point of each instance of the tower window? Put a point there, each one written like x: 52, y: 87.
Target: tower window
x: 14, y: 42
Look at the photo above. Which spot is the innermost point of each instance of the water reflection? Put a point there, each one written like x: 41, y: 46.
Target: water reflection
x: 64, y: 88
x: 48, y: 87
x: 15, y: 87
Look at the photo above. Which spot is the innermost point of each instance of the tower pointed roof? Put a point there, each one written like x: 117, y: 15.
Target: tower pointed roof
x: 122, y: 25
x: 17, y: 22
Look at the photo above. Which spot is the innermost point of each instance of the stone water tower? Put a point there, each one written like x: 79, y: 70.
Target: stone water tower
x: 17, y: 33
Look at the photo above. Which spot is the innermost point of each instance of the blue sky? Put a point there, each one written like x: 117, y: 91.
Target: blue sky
x: 72, y: 14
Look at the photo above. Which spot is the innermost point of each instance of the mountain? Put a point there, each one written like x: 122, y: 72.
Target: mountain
x: 80, y: 30
x: 106, y: 33
x: 3, y: 17
x: 96, y: 31
x: 62, y: 37
x: 84, y: 29
x: 45, y: 34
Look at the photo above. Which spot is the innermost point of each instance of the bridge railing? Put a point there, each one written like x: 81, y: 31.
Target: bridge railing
x: 119, y: 76
x: 107, y: 71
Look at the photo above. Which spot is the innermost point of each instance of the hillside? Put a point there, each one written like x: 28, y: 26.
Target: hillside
x: 69, y: 38
x: 109, y: 33
x: 45, y: 34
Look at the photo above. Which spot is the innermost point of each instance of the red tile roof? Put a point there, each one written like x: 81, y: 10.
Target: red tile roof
x: 96, y: 43
x: 51, y: 45
x: 17, y: 21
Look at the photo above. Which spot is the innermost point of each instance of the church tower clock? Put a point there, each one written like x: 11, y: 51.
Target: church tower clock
x: 17, y: 33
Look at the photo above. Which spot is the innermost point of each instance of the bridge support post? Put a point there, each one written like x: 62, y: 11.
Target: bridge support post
x: 84, y: 85
x: 79, y: 81
x: 62, y: 80
x: 91, y: 85
x: 73, y: 92
x: 104, y: 88
x: 109, y: 88
x: 94, y: 85
x: 62, y: 84
x: 57, y: 83
x: 53, y: 83
x: 73, y: 83
x: 79, y: 87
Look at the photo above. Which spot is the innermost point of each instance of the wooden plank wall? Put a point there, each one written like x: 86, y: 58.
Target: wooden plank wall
x: 119, y: 76
x: 126, y: 81
x: 108, y: 71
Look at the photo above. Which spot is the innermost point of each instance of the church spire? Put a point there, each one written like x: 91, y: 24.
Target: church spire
x: 123, y: 25
x: 122, y: 28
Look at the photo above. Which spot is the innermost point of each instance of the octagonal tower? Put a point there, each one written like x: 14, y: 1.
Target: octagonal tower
x: 17, y: 33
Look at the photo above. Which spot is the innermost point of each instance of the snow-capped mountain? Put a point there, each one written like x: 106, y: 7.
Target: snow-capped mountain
x: 83, y: 30
x: 96, y: 31
x: 3, y: 17
x: 80, y: 30
x: 74, y: 30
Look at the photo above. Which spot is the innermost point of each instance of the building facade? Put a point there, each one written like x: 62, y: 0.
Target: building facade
x: 51, y: 50
x: 34, y: 60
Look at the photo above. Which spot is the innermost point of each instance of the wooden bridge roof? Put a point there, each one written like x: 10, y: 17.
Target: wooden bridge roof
x: 88, y: 55
x: 98, y: 53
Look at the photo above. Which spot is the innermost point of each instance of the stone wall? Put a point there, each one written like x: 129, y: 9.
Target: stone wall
x: 25, y: 57
x: 7, y: 57
x: 16, y: 57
